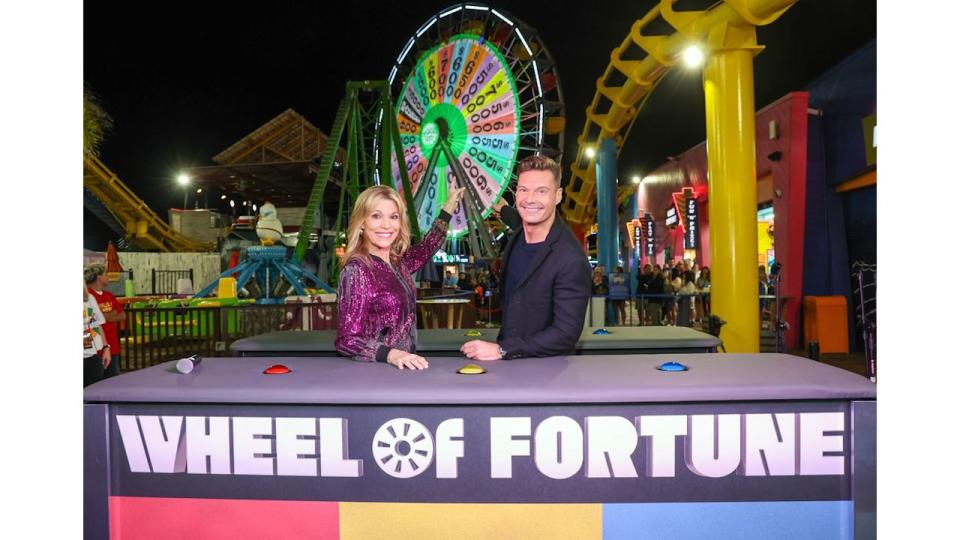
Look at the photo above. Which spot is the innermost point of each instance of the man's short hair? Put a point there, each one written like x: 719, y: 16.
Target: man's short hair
x: 92, y: 271
x: 539, y: 162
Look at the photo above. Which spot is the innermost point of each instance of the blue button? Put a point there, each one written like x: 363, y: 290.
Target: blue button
x: 672, y: 366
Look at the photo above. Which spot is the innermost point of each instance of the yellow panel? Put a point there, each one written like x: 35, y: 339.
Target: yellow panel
x: 463, y: 521
x: 227, y: 287
x: 764, y: 241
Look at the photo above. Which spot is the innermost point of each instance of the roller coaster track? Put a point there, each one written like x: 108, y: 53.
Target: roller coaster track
x: 141, y: 226
x: 622, y: 102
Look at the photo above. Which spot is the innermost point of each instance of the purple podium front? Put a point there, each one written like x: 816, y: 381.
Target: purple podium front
x: 738, y: 445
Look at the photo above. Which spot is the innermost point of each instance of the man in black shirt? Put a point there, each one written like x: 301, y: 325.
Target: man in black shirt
x: 643, y: 287
x: 656, y: 287
x: 545, y: 276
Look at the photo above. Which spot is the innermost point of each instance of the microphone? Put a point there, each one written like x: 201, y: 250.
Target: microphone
x: 186, y: 365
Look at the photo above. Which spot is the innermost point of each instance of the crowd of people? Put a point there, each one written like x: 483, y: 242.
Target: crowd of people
x: 477, y: 280
x: 658, y: 287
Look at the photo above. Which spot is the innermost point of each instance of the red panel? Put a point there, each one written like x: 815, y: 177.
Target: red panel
x: 797, y: 210
x: 789, y: 209
x: 165, y: 518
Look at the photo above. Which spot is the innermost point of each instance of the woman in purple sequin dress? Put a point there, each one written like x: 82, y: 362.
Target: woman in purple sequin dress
x: 377, y: 319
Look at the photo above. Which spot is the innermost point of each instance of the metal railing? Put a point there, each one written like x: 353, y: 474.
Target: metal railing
x: 865, y: 276
x: 643, y: 309
x: 155, y: 335
x: 165, y: 281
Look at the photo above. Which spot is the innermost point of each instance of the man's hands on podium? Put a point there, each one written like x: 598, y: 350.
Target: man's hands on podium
x: 478, y: 349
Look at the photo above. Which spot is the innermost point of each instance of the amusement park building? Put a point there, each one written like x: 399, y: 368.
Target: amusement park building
x: 816, y: 168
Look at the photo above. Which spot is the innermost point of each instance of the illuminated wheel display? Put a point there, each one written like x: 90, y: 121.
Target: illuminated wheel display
x: 470, y: 77
x: 403, y: 447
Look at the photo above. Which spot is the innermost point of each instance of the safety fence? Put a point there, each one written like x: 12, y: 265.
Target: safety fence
x: 155, y: 335
x: 676, y: 309
x: 166, y: 281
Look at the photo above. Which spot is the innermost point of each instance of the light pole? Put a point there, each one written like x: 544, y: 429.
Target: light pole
x: 184, y: 181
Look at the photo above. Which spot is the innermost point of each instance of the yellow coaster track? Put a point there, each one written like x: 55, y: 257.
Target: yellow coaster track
x: 622, y: 102
x: 142, y: 226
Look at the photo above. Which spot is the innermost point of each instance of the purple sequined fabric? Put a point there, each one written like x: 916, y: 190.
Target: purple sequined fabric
x: 377, y: 301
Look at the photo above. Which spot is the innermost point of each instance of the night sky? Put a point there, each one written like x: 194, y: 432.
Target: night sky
x: 184, y: 81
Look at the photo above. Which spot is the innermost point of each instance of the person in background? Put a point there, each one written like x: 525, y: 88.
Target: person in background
x: 688, y: 291
x: 643, y: 288
x: 449, y: 280
x: 655, y: 289
x: 703, y: 285
x: 763, y: 289
x: 95, y: 276
x: 96, y: 350
x: 600, y: 285
x: 620, y: 305
x: 377, y: 319
x: 671, y: 284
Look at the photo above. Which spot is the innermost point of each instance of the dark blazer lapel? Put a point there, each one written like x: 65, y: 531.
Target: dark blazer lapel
x: 551, y: 239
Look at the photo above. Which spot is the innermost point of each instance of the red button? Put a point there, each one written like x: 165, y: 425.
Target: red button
x: 277, y: 369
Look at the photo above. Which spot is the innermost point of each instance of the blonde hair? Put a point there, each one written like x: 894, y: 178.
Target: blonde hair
x: 356, y: 246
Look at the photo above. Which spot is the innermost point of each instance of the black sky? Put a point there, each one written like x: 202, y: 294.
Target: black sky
x: 184, y: 80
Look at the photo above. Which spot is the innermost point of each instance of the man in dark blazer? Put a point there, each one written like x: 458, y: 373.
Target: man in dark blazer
x: 545, y: 281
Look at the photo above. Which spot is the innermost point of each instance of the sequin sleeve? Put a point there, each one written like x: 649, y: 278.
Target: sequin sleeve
x: 419, y: 254
x: 353, y: 303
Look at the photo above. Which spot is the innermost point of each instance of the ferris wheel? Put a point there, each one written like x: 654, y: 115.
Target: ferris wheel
x: 476, y: 91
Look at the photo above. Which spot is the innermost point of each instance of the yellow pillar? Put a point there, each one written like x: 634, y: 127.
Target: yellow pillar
x: 732, y: 181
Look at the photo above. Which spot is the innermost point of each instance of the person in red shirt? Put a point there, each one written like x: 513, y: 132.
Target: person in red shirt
x: 95, y: 275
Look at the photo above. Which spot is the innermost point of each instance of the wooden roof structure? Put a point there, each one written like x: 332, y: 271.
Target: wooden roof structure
x: 277, y: 162
x: 287, y: 137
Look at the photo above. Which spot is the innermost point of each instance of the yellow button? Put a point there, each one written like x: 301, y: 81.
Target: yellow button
x: 471, y: 369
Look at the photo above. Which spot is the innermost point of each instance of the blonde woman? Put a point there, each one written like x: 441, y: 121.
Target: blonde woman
x: 377, y: 319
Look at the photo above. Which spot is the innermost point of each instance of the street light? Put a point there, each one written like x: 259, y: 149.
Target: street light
x: 693, y: 56
x: 184, y: 181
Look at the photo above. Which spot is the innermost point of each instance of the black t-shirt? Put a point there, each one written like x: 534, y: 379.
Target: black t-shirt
x: 520, y: 259
x: 656, y: 286
x: 643, y: 282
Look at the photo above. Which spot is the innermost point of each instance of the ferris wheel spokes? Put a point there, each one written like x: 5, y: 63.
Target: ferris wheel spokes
x: 472, y: 207
x: 478, y: 236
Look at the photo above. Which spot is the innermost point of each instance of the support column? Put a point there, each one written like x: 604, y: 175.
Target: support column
x: 608, y: 241
x: 633, y: 258
x: 731, y: 174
